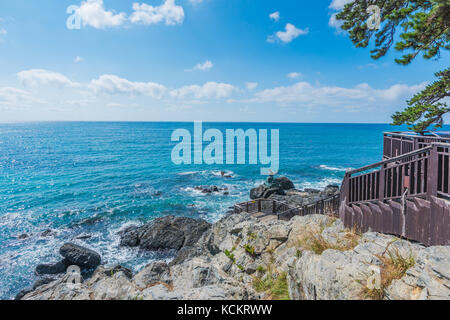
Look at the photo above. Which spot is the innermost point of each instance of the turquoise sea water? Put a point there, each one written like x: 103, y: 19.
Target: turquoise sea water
x: 96, y: 178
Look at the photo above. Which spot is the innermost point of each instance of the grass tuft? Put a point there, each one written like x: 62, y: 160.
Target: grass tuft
x: 394, y: 266
x: 273, y: 284
x: 316, y: 243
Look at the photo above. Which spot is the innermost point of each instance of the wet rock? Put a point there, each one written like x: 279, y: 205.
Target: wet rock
x: 77, y: 255
x: 283, y: 183
x: 211, y: 189
x: 49, y: 233
x: 279, y: 186
x: 258, y: 192
x: 53, y: 268
x: 83, y: 236
x: 23, y: 236
x: 169, y: 232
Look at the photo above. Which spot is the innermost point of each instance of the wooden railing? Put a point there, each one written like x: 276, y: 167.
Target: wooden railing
x: 398, y: 143
x: 328, y: 206
x: 420, y: 173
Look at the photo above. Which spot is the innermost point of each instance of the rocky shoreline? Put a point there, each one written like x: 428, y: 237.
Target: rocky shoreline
x: 243, y: 257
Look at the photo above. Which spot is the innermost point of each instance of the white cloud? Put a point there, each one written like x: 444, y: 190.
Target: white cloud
x: 251, y: 85
x: 37, y: 77
x: 168, y: 12
x: 275, y: 16
x: 339, y: 4
x: 13, y: 98
x: 290, y: 33
x: 210, y: 90
x: 93, y: 13
x: 334, y: 23
x: 78, y: 59
x: 304, y: 92
x: 294, y: 75
x: 112, y: 84
x: 3, y: 32
x: 203, y: 66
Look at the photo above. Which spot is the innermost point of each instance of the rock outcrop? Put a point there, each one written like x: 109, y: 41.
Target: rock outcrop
x: 77, y: 255
x: 278, y: 186
x: 73, y: 255
x: 165, y: 233
x: 241, y: 257
x: 282, y: 189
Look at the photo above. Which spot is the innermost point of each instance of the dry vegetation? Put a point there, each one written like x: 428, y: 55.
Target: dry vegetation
x: 315, y: 242
x: 394, y: 266
x: 273, y: 283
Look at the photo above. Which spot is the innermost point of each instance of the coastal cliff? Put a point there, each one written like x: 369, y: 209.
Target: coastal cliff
x: 241, y: 257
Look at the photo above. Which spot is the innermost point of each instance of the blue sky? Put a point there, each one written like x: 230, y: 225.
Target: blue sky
x: 185, y: 60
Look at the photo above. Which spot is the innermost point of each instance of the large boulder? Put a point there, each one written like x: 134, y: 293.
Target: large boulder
x: 169, y: 232
x: 283, y: 183
x: 279, y: 186
x: 52, y: 268
x: 77, y: 255
x: 258, y: 192
x: 264, y: 192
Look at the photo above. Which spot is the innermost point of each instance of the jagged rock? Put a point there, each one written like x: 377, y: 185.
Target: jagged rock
x: 55, y: 268
x: 225, y: 258
x: 37, y: 284
x: 156, y: 272
x: 118, y: 268
x: 105, y: 285
x: 331, y: 190
x: 258, y: 192
x: 311, y: 190
x: 169, y: 232
x: 77, y: 255
x: 60, y: 290
x: 49, y: 233
x: 429, y: 279
x: 277, y: 187
x: 210, y: 189
x: 283, y: 183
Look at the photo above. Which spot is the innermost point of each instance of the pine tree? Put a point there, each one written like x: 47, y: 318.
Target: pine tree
x: 413, y: 28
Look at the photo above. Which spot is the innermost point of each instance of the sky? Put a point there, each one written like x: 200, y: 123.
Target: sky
x: 186, y: 60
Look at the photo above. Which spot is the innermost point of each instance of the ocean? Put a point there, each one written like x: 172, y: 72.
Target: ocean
x: 97, y: 178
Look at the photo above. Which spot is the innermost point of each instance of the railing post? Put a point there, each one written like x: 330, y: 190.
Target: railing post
x: 432, y: 178
x: 345, y: 189
x: 381, y: 183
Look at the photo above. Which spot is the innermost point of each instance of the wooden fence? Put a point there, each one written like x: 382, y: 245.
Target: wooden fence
x: 283, y: 211
x: 397, y: 143
x: 405, y: 195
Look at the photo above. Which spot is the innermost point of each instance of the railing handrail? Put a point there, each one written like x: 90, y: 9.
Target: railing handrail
x: 381, y: 163
x: 371, y: 186
x: 400, y: 157
x: 406, y: 135
x: 289, y: 207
